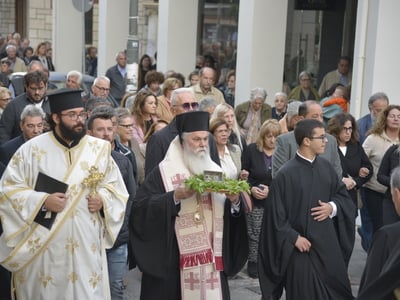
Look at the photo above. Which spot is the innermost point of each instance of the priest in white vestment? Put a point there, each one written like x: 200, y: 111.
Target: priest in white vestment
x: 65, y: 259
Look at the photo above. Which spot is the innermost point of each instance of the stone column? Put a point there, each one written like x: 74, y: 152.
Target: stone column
x: 376, y: 54
x: 68, y: 43
x: 177, y: 35
x: 113, y: 32
x: 261, y: 47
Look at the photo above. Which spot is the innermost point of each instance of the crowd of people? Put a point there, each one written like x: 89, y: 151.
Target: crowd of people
x: 96, y: 179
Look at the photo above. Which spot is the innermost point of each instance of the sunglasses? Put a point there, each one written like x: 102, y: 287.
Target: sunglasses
x: 189, y: 105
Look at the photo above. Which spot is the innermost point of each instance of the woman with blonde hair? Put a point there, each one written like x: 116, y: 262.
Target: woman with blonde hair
x: 226, y: 112
x: 5, y: 98
x: 40, y: 54
x: 257, y: 163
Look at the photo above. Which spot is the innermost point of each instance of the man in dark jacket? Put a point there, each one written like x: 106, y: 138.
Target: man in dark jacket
x: 36, y: 88
x: 100, y: 125
x: 117, y: 75
x: 32, y: 122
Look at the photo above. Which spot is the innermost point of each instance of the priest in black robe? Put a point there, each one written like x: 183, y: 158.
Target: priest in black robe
x: 308, y: 229
x: 381, y: 276
x: 160, y: 211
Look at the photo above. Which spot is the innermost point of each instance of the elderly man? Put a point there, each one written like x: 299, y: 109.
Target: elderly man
x: 182, y: 100
x: 117, y: 75
x: 101, y: 88
x: 286, y: 145
x: 377, y: 103
x: 35, y: 87
x: 17, y: 64
x: 54, y: 239
x: 31, y: 124
x: 74, y: 80
x: 205, y: 88
x: 380, y: 279
x: 308, y: 231
x: 341, y: 75
x: 190, y: 256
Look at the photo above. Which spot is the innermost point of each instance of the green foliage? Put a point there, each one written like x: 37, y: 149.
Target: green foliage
x: 227, y: 186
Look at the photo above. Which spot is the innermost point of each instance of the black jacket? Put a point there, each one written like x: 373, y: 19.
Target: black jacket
x: 9, y: 122
x: 125, y: 168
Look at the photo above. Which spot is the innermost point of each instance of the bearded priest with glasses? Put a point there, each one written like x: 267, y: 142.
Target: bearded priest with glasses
x: 62, y: 202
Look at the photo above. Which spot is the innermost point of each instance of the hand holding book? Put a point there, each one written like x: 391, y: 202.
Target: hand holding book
x: 55, y: 202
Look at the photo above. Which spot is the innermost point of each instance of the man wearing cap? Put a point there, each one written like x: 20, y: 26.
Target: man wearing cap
x: 54, y: 241
x: 186, y: 244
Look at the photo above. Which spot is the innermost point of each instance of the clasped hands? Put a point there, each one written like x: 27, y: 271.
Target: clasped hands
x: 56, y: 202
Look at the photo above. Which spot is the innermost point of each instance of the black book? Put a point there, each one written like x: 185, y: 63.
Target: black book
x: 50, y: 185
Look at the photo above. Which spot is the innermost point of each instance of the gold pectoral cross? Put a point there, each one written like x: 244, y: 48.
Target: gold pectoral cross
x: 93, y: 180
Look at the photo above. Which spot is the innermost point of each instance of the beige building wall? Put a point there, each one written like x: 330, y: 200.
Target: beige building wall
x: 39, y: 21
x: 7, y: 17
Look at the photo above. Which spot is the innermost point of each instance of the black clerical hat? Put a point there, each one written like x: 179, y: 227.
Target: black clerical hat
x: 192, y: 121
x: 63, y: 99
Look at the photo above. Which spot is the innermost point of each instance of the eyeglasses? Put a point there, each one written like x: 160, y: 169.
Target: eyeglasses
x: 128, y: 126
x: 189, y: 105
x: 347, y: 129
x: 102, y: 89
x: 323, y: 138
x: 5, y: 99
x: 74, y: 116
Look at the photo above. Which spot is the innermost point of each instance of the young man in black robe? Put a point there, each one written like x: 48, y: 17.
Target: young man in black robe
x: 308, y: 228
x: 381, y: 278
x: 186, y: 244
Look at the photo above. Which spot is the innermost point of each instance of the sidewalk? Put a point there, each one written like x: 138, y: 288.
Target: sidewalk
x: 243, y: 287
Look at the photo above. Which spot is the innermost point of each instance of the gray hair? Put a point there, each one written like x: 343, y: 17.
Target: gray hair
x: 76, y: 74
x: 281, y: 94
x: 122, y: 113
x: 32, y: 110
x: 100, y: 78
x: 9, y: 46
x: 304, y: 73
x: 118, y: 53
x: 395, y: 178
x: 175, y: 94
x: 206, y: 103
x: 258, y: 93
x: 377, y: 96
x: 35, y: 63
x: 94, y: 102
x: 293, y: 108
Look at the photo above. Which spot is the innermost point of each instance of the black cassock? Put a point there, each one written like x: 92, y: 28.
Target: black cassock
x: 381, y: 275
x: 153, y: 240
x: 322, y: 272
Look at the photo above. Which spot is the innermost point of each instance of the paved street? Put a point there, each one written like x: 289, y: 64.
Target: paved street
x: 245, y: 288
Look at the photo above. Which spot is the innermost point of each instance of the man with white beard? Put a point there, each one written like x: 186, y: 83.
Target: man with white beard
x: 188, y: 257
